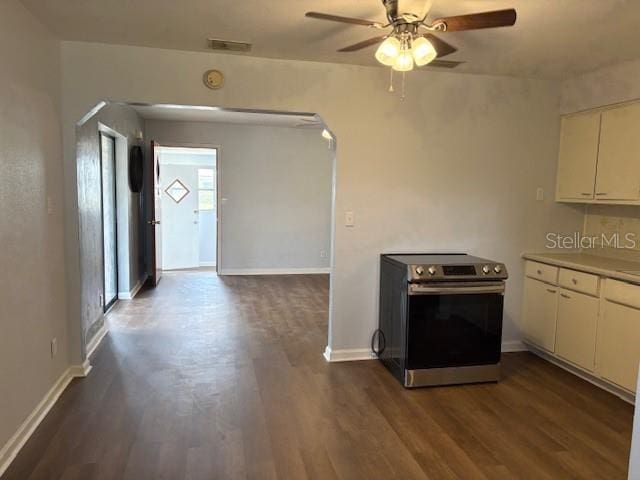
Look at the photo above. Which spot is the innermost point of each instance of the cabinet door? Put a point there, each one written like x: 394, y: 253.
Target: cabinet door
x: 618, y: 176
x: 578, y: 156
x: 576, y: 331
x: 539, y: 313
x: 618, y: 351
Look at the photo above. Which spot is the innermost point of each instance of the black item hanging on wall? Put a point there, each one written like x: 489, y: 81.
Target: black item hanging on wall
x: 136, y: 161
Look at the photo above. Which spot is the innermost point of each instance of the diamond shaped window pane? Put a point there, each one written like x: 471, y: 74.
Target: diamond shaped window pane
x: 177, y: 191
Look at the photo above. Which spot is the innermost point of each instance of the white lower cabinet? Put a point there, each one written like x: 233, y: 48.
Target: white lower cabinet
x: 590, y: 322
x: 619, y: 335
x: 539, y: 313
x: 576, y: 328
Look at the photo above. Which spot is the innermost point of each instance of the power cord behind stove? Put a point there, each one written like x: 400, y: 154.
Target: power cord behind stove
x: 380, y: 336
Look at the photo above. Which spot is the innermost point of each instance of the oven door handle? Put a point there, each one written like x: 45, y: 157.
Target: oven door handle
x: 455, y: 290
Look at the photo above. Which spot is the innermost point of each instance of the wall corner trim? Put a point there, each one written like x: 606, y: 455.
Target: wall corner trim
x: 80, y: 371
x: 13, y: 446
x: 130, y: 295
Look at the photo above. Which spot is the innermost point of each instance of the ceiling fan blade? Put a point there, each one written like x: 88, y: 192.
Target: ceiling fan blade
x: 337, y: 18
x: 442, y: 47
x: 475, y: 21
x: 364, y: 44
x: 443, y: 64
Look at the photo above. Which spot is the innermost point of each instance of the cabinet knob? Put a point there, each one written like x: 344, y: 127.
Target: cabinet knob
x: 551, y: 290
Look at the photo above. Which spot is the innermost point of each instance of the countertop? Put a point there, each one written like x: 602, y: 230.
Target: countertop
x: 598, y: 265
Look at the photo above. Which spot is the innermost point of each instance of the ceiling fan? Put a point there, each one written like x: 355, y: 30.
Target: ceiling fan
x: 411, y: 42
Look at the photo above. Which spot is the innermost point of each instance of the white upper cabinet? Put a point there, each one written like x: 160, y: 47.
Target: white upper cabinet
x: 578, y: 156
x: 599, y: 159
x: 618, y: 176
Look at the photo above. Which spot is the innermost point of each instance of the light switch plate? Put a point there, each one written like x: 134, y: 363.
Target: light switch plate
x: 540, y: 194
x: 349, y: 219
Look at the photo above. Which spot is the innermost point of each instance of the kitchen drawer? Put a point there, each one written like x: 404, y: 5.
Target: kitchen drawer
x: 542, y: 272
x: 622, y: 293
x: 579, y: 281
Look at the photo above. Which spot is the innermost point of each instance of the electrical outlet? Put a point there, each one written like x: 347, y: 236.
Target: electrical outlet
x: 54, y: 347
x: 323, y: 254
x: 540, y: 194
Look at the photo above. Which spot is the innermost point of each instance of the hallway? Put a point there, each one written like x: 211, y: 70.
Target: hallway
x: 210, y: 377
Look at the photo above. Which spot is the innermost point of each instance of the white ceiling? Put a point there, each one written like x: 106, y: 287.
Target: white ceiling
x: 552, y: 38
x: 217, y: 115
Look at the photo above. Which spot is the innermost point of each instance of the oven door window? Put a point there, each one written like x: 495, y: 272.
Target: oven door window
x: 454, y: 330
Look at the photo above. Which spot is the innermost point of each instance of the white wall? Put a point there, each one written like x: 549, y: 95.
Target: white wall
x: 614, y: 84
x: 32, y: 287
x: 276, y: 184
x: 453, y: 167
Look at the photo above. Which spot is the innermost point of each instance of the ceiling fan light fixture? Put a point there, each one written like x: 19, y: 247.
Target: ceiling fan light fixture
x: 388, y: 51
x: 404, y: 62
x: 423, y: 51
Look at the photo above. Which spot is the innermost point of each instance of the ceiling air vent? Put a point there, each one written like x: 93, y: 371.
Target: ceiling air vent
x: 229, y: 45
x: 444, y: 64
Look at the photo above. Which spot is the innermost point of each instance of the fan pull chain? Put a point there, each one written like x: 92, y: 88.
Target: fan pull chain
x: 403, y: 86
x: 391, y: 81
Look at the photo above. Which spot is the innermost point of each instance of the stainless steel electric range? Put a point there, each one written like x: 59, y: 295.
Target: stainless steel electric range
x: 441, y: 318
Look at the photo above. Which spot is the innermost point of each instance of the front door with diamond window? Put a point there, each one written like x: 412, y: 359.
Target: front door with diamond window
x: 180, y: 217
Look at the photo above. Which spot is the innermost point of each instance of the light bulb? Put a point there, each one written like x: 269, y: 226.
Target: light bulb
x: 423, y: 51
x: 404, y: 62
x: 388, y: 51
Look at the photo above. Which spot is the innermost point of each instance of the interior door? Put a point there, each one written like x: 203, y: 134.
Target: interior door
x: 154, y: 226
x: 109, y: 220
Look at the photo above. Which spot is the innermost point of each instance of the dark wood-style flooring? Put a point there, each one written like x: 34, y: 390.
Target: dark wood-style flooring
x: 223, y: 378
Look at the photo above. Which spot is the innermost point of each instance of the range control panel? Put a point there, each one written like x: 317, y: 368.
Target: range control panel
x: 428, y: 273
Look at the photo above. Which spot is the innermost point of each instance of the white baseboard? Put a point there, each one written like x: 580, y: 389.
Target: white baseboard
x: 134, y: 291
x: 353, y: 354
x: 513, y: 346
x: 207, y: 264
x: 96, y: 340
x: 274, y: 271
x: 13, y: 446
x: 348, y: 355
